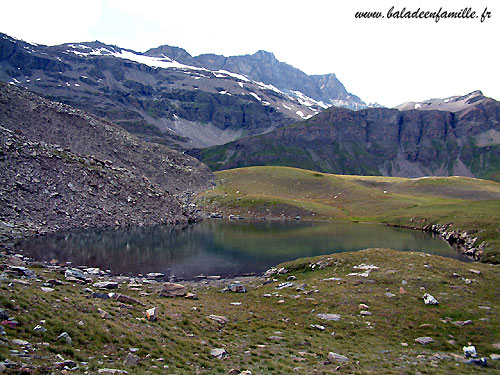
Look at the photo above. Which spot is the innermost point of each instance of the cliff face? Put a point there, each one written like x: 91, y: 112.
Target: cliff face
x: 64, y: 168
x: 377, y: 141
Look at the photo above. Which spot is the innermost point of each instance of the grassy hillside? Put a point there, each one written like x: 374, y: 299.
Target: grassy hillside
x: 468, y: 204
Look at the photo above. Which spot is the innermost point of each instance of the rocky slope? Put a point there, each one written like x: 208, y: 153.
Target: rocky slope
x: 156, y: 97
x: 378, y: 141
x: 264, y: 67
x: 63, y: 168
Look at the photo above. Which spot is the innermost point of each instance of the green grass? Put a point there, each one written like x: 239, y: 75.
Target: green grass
x: 183, y: 336
x: 468, y: 204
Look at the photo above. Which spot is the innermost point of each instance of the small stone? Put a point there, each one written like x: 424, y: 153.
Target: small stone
x: 219, y: 353
x: 151, y: 314
x: 291, y: 278
x: 64, y: 336
x: 155, y: 275
x: 363, y: 306
x: 276, y: 338
x: 217, y: 318
x: 330, y: 317
x: 74, y: 273
x: 334, y: 357
x: 106, y: 285
x: 213, y: 277
x: 246, y: 372
x: 20, y: 342
x: 365, y: 313
x: 494, y: 357
x: 131, y: 360
x: 404, y: 282
x: 461, y: 323
x: 483, y: 362
x: 475, y: 272
x: 133, y: 350
x: 111, y: 371
x: 404, y: 344
x: 318, y: 327
x: 402, y: 290
x: 390, y: 295
x: 125, y: 299
x: 39, y: 329
x: 237, y: 288
x: 46, y: 289
x: 429, y: 300
x: 191, y: 296
x: 104, y: 314
x: 424, y: 340
x: 288, y: 284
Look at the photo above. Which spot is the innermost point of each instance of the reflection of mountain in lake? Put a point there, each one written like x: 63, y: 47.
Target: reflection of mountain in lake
x: 222, y: 247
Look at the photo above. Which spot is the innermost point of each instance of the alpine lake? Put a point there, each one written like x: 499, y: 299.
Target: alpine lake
x: 225, y: 248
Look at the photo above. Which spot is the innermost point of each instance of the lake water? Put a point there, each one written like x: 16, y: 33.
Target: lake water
x: 220, y: 247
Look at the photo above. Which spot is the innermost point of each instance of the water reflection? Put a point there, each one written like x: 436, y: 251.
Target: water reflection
x: 225, y: 248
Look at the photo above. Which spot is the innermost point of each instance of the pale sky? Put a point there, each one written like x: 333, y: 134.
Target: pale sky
x: 381, y: 60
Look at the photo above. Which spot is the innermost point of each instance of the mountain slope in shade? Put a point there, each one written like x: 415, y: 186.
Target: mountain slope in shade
x: 158, y: 98
x: 377, y: 141
x: 63, y: 168
x: 264, y: 67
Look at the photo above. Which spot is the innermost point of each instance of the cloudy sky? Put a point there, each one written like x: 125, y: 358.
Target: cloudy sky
x: 388, y: 61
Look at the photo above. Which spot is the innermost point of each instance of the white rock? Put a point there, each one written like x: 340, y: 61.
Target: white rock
x: 470, y: 351
x: 429, y: 300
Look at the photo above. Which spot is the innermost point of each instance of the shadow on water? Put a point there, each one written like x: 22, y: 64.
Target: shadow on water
x: 220, y: 247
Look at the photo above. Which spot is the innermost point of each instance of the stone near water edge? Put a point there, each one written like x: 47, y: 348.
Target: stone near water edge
x: 213, y: 277
x: 131, y: 359
x: 218, y: 318
x: 237, y: 288
x: 64, y: 336
x: 173, y: 290
x: 74, y: 273
x: 104, y: 314
x: 155, y: 275
x: 219, y: 353
x: 329, y: 317
x: 106, y: 285
x: 335, y: 357
x: 424, y: 340
x: 470, y: 351
x: 151, y: 314
x: 429, y: 299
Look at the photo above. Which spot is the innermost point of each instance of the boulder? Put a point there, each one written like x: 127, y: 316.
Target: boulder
x: 106, y: 285
x: 173, y: 290
x: 131, y: 360
x: 469, y: 351
x: 217, y: 318
x: 334, y: 357
x: 219, y: 353
x: 424, y: 340
x: 237, y: 288
x: 331, y: 317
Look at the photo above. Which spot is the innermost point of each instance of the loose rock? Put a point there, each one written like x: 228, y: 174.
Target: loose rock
x: 237, y: 288
x: 334, y: 357
x: 424, y: 340
x: 64, y: 336
x: 429, y: 300
x: 219, y: 353
x: 173, y: 290
x: 131, y: 359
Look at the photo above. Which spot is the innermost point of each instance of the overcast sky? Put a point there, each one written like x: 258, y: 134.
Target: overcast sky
x: 381, y: 60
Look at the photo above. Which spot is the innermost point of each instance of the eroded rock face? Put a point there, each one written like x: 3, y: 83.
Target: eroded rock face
x: 376, y: 141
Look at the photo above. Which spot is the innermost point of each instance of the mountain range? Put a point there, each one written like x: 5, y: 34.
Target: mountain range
x: 167, y: 96
x: 454, y: 136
